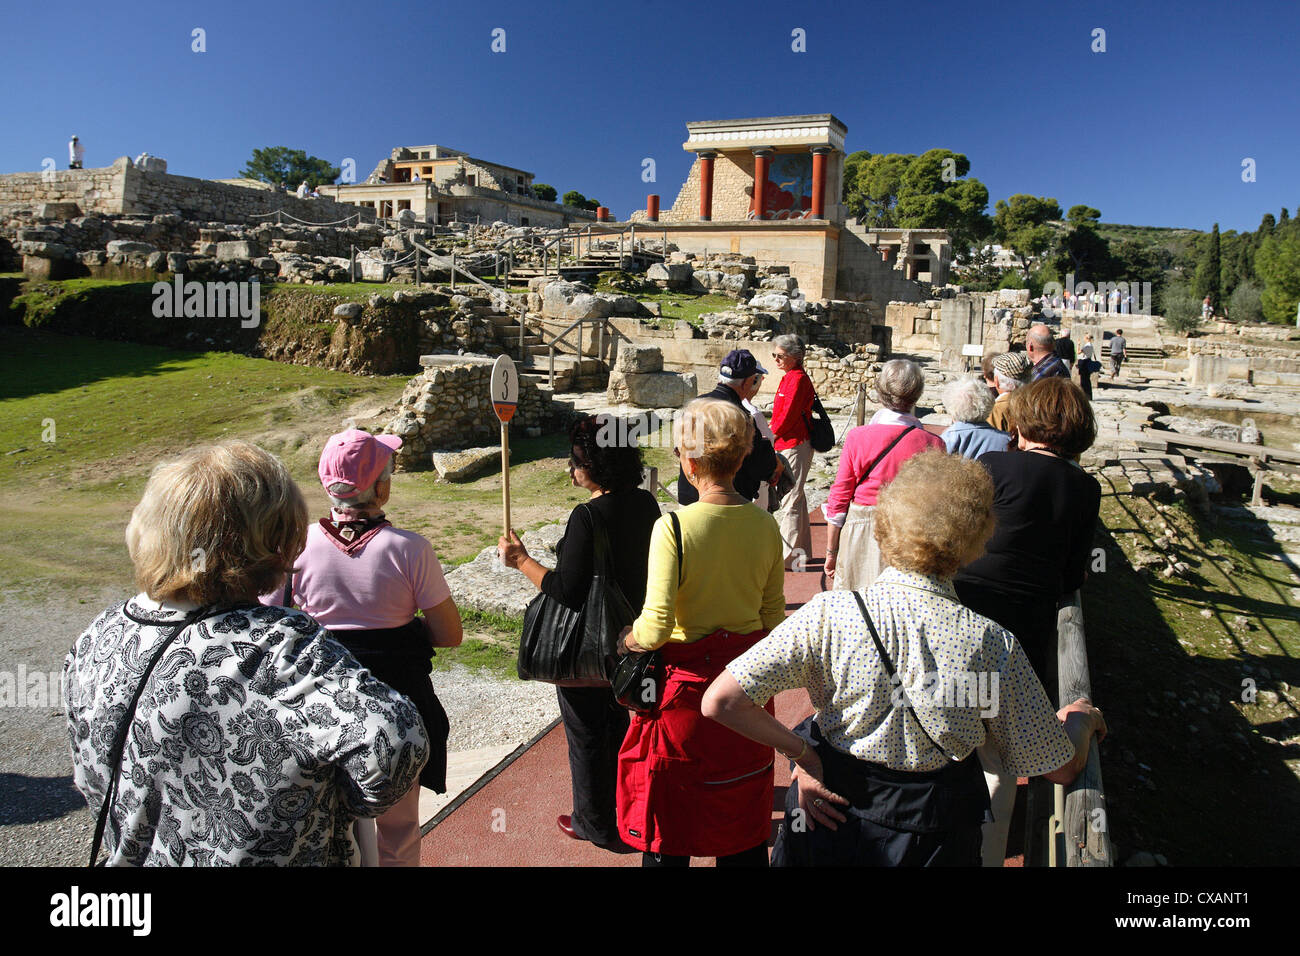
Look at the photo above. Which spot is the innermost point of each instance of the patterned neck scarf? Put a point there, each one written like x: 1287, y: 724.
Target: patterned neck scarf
x: 350, y: 531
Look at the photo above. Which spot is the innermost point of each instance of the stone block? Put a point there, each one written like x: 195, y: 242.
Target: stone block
x: 771, y: 302
x: 672, y: 275
x: 127, y: 247
x: 784, y: 283
x: 372, y: 270
x: 651, y: 389
x: 234, y: 249
x: 58, y: 210
x: 572, y: 301
x: 467, y: 464
x: 639, y: 358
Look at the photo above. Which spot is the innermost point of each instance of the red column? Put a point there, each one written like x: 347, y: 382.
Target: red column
x: 761, y: 153
x: 652, y: 207
x: 706, y: 185
x: 602, y: 213
x: 819, y: 155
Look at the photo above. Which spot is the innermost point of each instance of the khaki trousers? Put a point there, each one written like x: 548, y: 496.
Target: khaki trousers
x: 399, y: 831
x: 796, y: 530
x: 859, y: 562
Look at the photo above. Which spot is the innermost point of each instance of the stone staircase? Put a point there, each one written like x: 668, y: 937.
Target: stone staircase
x: 571, y: 373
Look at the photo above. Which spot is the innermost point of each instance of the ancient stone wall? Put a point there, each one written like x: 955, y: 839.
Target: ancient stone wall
x: 733, y: 190
x: 124, y: 188
x: 840, y: 376
x: 447, y: 407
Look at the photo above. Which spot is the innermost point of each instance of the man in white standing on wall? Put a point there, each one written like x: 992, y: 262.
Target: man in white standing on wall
x: 76, y: 152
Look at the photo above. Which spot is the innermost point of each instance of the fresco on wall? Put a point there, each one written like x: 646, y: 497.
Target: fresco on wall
x: 787, y: 194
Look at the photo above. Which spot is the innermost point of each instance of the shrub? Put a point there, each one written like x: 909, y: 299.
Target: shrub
x: 1246, y: 303
x: 1180, y: 307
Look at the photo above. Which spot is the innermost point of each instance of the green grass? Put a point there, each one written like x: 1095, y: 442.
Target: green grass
x: 114, y: 409
x: 688, y: 305
x: 1169, y: 659
x: 491, y: 644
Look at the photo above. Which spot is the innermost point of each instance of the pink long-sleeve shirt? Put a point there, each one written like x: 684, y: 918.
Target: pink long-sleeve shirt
x: 862, y: 446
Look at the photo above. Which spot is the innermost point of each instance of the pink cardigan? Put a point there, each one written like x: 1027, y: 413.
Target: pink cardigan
x: 861, y: 447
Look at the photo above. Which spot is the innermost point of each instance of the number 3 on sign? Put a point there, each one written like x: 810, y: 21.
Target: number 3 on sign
x: 505, y: 388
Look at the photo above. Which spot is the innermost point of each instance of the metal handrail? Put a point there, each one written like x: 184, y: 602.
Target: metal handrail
x: 600, y: 323
x: 499, y: 297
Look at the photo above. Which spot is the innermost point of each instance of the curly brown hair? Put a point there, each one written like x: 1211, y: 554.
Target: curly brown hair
x: 936, y: 515
x: 1054, y: 412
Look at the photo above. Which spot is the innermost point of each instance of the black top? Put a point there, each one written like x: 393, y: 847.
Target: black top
x: 1065, y: 349
x: 628, y: 517
x: 1046, y: 510
x: 754, y: 470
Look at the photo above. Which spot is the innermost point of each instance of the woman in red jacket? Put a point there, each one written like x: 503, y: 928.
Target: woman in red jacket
x: 791, y: 412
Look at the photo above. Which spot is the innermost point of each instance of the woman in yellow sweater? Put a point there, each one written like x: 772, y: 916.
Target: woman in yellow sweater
x: 687, y: 786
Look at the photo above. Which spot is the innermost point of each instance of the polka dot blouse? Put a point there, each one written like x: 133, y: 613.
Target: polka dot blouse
x: 964, y: 678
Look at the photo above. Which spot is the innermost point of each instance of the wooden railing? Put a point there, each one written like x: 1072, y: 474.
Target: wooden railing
x: 1079, y: 829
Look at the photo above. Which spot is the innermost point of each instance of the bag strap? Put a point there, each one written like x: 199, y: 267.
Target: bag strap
x: 881, y: 457
x: 288, y: 591
x: 677, y: 536
x: 893, y: 676
x: 123, y: 731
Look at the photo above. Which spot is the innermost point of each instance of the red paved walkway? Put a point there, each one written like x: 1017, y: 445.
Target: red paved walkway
x: 510, y: 819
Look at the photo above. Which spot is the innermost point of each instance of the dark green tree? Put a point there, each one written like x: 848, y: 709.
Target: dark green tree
x: 1277, y: 264
x: 280, y: 164
x: 545, y: 192
x: 1208, y: 271
x: 1021, y: 223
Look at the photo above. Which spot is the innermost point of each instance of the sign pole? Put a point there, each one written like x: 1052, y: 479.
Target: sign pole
x: 504, y: 390
x: 505, y: 478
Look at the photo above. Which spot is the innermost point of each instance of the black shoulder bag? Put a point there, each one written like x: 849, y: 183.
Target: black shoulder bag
x: 821, y: 433
x: 638, y: 681
x: 119, y: 741
x: 894, y: 679
x: 577, y: 648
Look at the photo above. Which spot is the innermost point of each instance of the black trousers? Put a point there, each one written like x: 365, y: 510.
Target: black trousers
x: 594, y: 725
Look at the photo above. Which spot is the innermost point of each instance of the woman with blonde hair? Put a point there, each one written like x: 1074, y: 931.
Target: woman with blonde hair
x: 207, y: 729
x: 906, y: 683
x: 686, y: 785
x: 872, y: 456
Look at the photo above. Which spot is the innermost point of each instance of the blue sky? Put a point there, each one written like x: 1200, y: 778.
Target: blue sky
x: 1151, y: 132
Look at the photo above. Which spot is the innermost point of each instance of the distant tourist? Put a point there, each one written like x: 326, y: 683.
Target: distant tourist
x: 969, y: 402
x: 594, y: 721
x: 1207, y: 309
x: 1046, y: 510
x: 688, y: 786
x: 740, y: 377
x: 907, y: 767
x: 1113, y: 305
x: 302, y: 189
x: 1011, y: 370
x: 76, y: 153
x: 1041, y: 348
x: 872, y: 456
x: 791, y: 417
x: 1065, y: 349
x: 365, y: 580
x: 255, y: 738
x: 989, y: 375
x: 1088, y: 365
x: 1118, y: 352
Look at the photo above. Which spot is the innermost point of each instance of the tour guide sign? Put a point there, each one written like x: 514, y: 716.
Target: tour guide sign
x: 504, y: 391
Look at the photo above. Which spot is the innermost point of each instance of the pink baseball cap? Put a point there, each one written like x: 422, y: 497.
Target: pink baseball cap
x: 356, y: 458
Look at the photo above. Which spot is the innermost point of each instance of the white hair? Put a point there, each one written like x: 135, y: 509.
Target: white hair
x: 1005, y: 383
x: 360, y: 500
x: 968, y: 400
x: 791, y: 345
x: 899, y: 384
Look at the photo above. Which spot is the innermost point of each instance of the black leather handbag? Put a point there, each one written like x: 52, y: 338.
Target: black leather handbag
x: 577, y: 648
x: 639, y: 680
x: 821, y: 433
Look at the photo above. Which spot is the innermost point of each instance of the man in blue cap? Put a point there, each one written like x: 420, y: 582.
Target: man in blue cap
x: 739, y: 378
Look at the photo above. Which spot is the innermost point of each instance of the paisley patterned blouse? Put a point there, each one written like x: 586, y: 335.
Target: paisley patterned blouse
x: 258, y: 739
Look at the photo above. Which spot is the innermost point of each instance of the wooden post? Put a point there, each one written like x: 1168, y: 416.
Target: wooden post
x: 417, y: 268
x: 352, y: 264
x: 453, y: 270
x: 505, y: 478
x: 860, y: 405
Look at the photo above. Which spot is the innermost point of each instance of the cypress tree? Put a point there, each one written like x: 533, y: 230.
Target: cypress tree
x: 1208, y: 271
